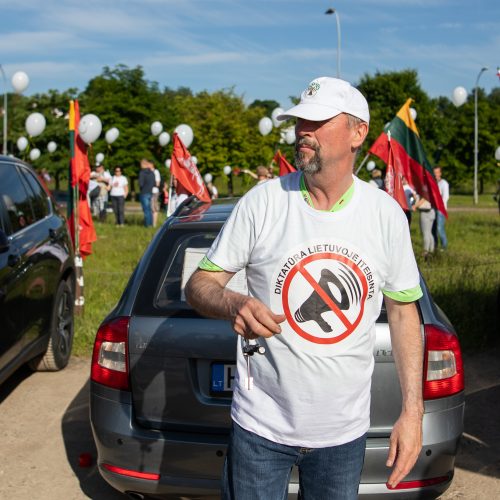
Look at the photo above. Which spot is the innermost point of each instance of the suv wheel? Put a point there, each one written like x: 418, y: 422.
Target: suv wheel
x: 61, y: 333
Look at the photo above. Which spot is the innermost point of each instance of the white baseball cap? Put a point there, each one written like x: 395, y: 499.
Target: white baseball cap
x: 326, y: 97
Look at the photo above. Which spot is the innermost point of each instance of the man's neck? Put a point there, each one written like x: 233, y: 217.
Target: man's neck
x: 325, y: 190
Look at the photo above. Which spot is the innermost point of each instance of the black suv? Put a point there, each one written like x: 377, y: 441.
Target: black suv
x: 37, y: 276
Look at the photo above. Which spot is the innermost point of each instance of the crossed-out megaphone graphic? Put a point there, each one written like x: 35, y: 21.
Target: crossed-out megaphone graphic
x: 314, y: 306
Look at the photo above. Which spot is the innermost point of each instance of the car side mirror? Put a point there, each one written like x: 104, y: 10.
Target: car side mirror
x: 4, y: 242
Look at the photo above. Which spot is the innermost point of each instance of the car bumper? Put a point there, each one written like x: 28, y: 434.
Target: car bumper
x: 189, y: 464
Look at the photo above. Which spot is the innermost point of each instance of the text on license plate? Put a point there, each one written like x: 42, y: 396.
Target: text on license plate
x: 222, y: 377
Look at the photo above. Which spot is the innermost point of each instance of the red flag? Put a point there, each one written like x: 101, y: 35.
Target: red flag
x: 285, y: 167
x: 80, y: 176
x: 408, y: 150
x: 184, y: 170
x: 394, y: 178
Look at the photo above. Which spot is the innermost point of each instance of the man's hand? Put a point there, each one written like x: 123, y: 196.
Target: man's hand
x: 252, y: 319
x: 206, y: 292
x: 405, y: 446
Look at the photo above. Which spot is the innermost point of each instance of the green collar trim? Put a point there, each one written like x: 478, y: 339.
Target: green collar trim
x: 341, y: 203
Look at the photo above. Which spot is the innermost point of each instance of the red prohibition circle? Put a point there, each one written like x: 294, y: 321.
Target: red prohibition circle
x: 300, y: 267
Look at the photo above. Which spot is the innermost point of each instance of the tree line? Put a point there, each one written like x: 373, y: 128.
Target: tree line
x: 226, y: 129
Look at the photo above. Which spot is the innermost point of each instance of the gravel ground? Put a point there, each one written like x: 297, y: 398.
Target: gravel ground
x: 45, y: 430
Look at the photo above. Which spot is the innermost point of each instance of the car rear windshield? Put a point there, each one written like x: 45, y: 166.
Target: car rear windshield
x: 187, y: 252
x: 175, y: 258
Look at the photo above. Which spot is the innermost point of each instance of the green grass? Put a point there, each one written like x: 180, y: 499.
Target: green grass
x: 467, y: 201
x: 464, y: 281
x: 106, y: 272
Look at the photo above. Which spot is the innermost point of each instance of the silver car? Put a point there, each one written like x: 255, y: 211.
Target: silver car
x: 162, y: 380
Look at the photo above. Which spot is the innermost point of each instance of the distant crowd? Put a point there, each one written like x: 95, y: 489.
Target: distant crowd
x: 432, y: 221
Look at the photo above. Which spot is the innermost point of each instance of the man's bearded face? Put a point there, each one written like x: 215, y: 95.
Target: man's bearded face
x: 311, y: 165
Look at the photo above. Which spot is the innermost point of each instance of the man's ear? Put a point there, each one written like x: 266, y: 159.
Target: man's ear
x: 360, y: 135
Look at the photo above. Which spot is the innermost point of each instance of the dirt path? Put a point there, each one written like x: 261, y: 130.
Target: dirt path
x: 45, y: 430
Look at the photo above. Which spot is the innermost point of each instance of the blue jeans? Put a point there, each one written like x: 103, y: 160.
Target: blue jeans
x: 259, y: 469
x: 441, y: 233
x: 146, y: 208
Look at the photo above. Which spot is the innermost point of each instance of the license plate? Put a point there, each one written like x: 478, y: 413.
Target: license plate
x: 223, y: 376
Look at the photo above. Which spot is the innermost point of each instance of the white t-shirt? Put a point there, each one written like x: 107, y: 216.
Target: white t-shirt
x: 118, y: 183
x: 325, y: 271
x: 177, y: 199
x: 156, y: 189
x: 444, y: 189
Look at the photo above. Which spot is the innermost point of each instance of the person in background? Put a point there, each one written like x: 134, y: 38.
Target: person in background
x: 93, y: 193
x: 438, y: 230
x: 103, y: 179
x: 427, y: 218
x: 214, y: 193
x: 376, y: 180
x: 179, y: 194
x: 155, y: 197
x: 411, y: 197
x: 118, y: 192
x: 262, y: 174
x: 146, y: 184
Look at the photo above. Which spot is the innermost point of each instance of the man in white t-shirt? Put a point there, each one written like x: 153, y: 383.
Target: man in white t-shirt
x: 439, y: 231
x: 320, y: 249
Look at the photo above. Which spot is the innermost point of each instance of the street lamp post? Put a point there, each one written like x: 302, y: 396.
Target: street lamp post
x: 4, y: 151
x: 476, y: 133
x: 329, y: 12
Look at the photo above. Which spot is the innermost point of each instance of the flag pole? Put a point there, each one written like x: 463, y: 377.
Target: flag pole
x: 362, y: 163
x: 79, y: 299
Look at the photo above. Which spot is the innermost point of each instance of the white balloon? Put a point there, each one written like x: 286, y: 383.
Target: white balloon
x: 34, y: 154
x: 227, y: 169
x: 164, y: 138
x: 497, y: 154
x: 185, y: 133
x: 51, y: 146
x: 22, y: 143
x: 274, y: 114
x: 208, y: 178
x: 194, y: 160
x: 370, y: 165
x: 20, y: 81
x: 290, y: 136
x: 99, y: 157
x: 265, y: 125
x: 90, y: 128
x: 111, y: 135
x: 35, y: 124
x: 413, y: 113
x: 168, y: 162
x: 459, y: 96
x: 156, y: 128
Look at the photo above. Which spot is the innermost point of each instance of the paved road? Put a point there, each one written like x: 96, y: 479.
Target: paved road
x: 45, y: 429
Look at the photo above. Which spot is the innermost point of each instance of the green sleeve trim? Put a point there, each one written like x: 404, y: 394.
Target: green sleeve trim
x: 410, y: 295
x: 208, y: 265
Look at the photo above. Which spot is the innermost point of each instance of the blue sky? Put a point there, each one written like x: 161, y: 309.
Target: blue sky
x: 266, y: 49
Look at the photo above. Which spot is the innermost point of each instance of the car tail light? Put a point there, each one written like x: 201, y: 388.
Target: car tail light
x: 110, y: 356
x: 420, y: 483
x: 132, y: 473
x: 443, y: 368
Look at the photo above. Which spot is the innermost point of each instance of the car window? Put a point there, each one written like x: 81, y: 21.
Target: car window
x: 186, y: 253
x: 15, y: 198
x: 38, y: 196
